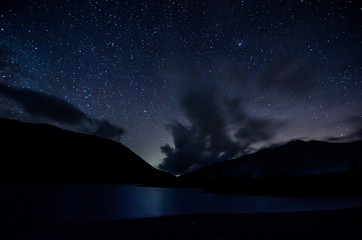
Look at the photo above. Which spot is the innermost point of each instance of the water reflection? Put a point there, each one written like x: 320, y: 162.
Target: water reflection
x: 85, y: 202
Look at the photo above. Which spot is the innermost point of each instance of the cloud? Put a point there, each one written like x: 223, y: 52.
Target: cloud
x: 289, y: 76
x: 203, y: 142
x: 200, y: 104
x: 217, y: 129
x: 46, y: 107
x: 187, y: 152
x: 107, y: 130
x: 257, y: 130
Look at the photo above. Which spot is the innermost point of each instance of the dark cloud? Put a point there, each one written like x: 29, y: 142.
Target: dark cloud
x: 257, y: 130
x: 248, y: 129
x: 203, y: 142
x: 187, y: 153
x: 201, y: 107
x: 289, y: 76
x: 42, y: 105
x: 46, y: 107
x: 218, y: 129
x: 107, y: 130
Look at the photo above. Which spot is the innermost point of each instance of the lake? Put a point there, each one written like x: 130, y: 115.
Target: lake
x: 98, y: 202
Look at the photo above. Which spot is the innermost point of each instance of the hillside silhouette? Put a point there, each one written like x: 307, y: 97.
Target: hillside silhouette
x: 44, y: 153
x: 296, y: 168
x: 294, y: 158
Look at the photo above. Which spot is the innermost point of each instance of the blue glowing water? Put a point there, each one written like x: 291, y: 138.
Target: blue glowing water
x: 98, y: 202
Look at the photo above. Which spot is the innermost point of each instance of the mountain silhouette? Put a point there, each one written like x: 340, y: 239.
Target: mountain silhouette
x: 44, y: 153
x: 294, y: 158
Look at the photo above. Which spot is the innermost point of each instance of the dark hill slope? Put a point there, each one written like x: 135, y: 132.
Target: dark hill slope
x: 44, y: 153
x: 294, y: 158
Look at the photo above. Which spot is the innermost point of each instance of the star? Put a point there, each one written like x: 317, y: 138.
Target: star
x: 116, y: 59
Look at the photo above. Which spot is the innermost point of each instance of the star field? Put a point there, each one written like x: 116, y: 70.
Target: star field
x: 122, y: 61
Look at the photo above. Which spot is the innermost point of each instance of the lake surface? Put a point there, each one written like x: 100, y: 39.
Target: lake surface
x: 98, y: 202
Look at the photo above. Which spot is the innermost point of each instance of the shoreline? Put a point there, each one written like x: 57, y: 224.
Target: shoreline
x: 324, y: 224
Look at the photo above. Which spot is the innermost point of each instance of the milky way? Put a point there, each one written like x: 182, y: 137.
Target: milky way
x: 124, y: 64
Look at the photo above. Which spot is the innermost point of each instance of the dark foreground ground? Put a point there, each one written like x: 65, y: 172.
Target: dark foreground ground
x: 334, y: 224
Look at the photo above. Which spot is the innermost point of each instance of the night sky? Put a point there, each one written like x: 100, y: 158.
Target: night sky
x: 185, y: 83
